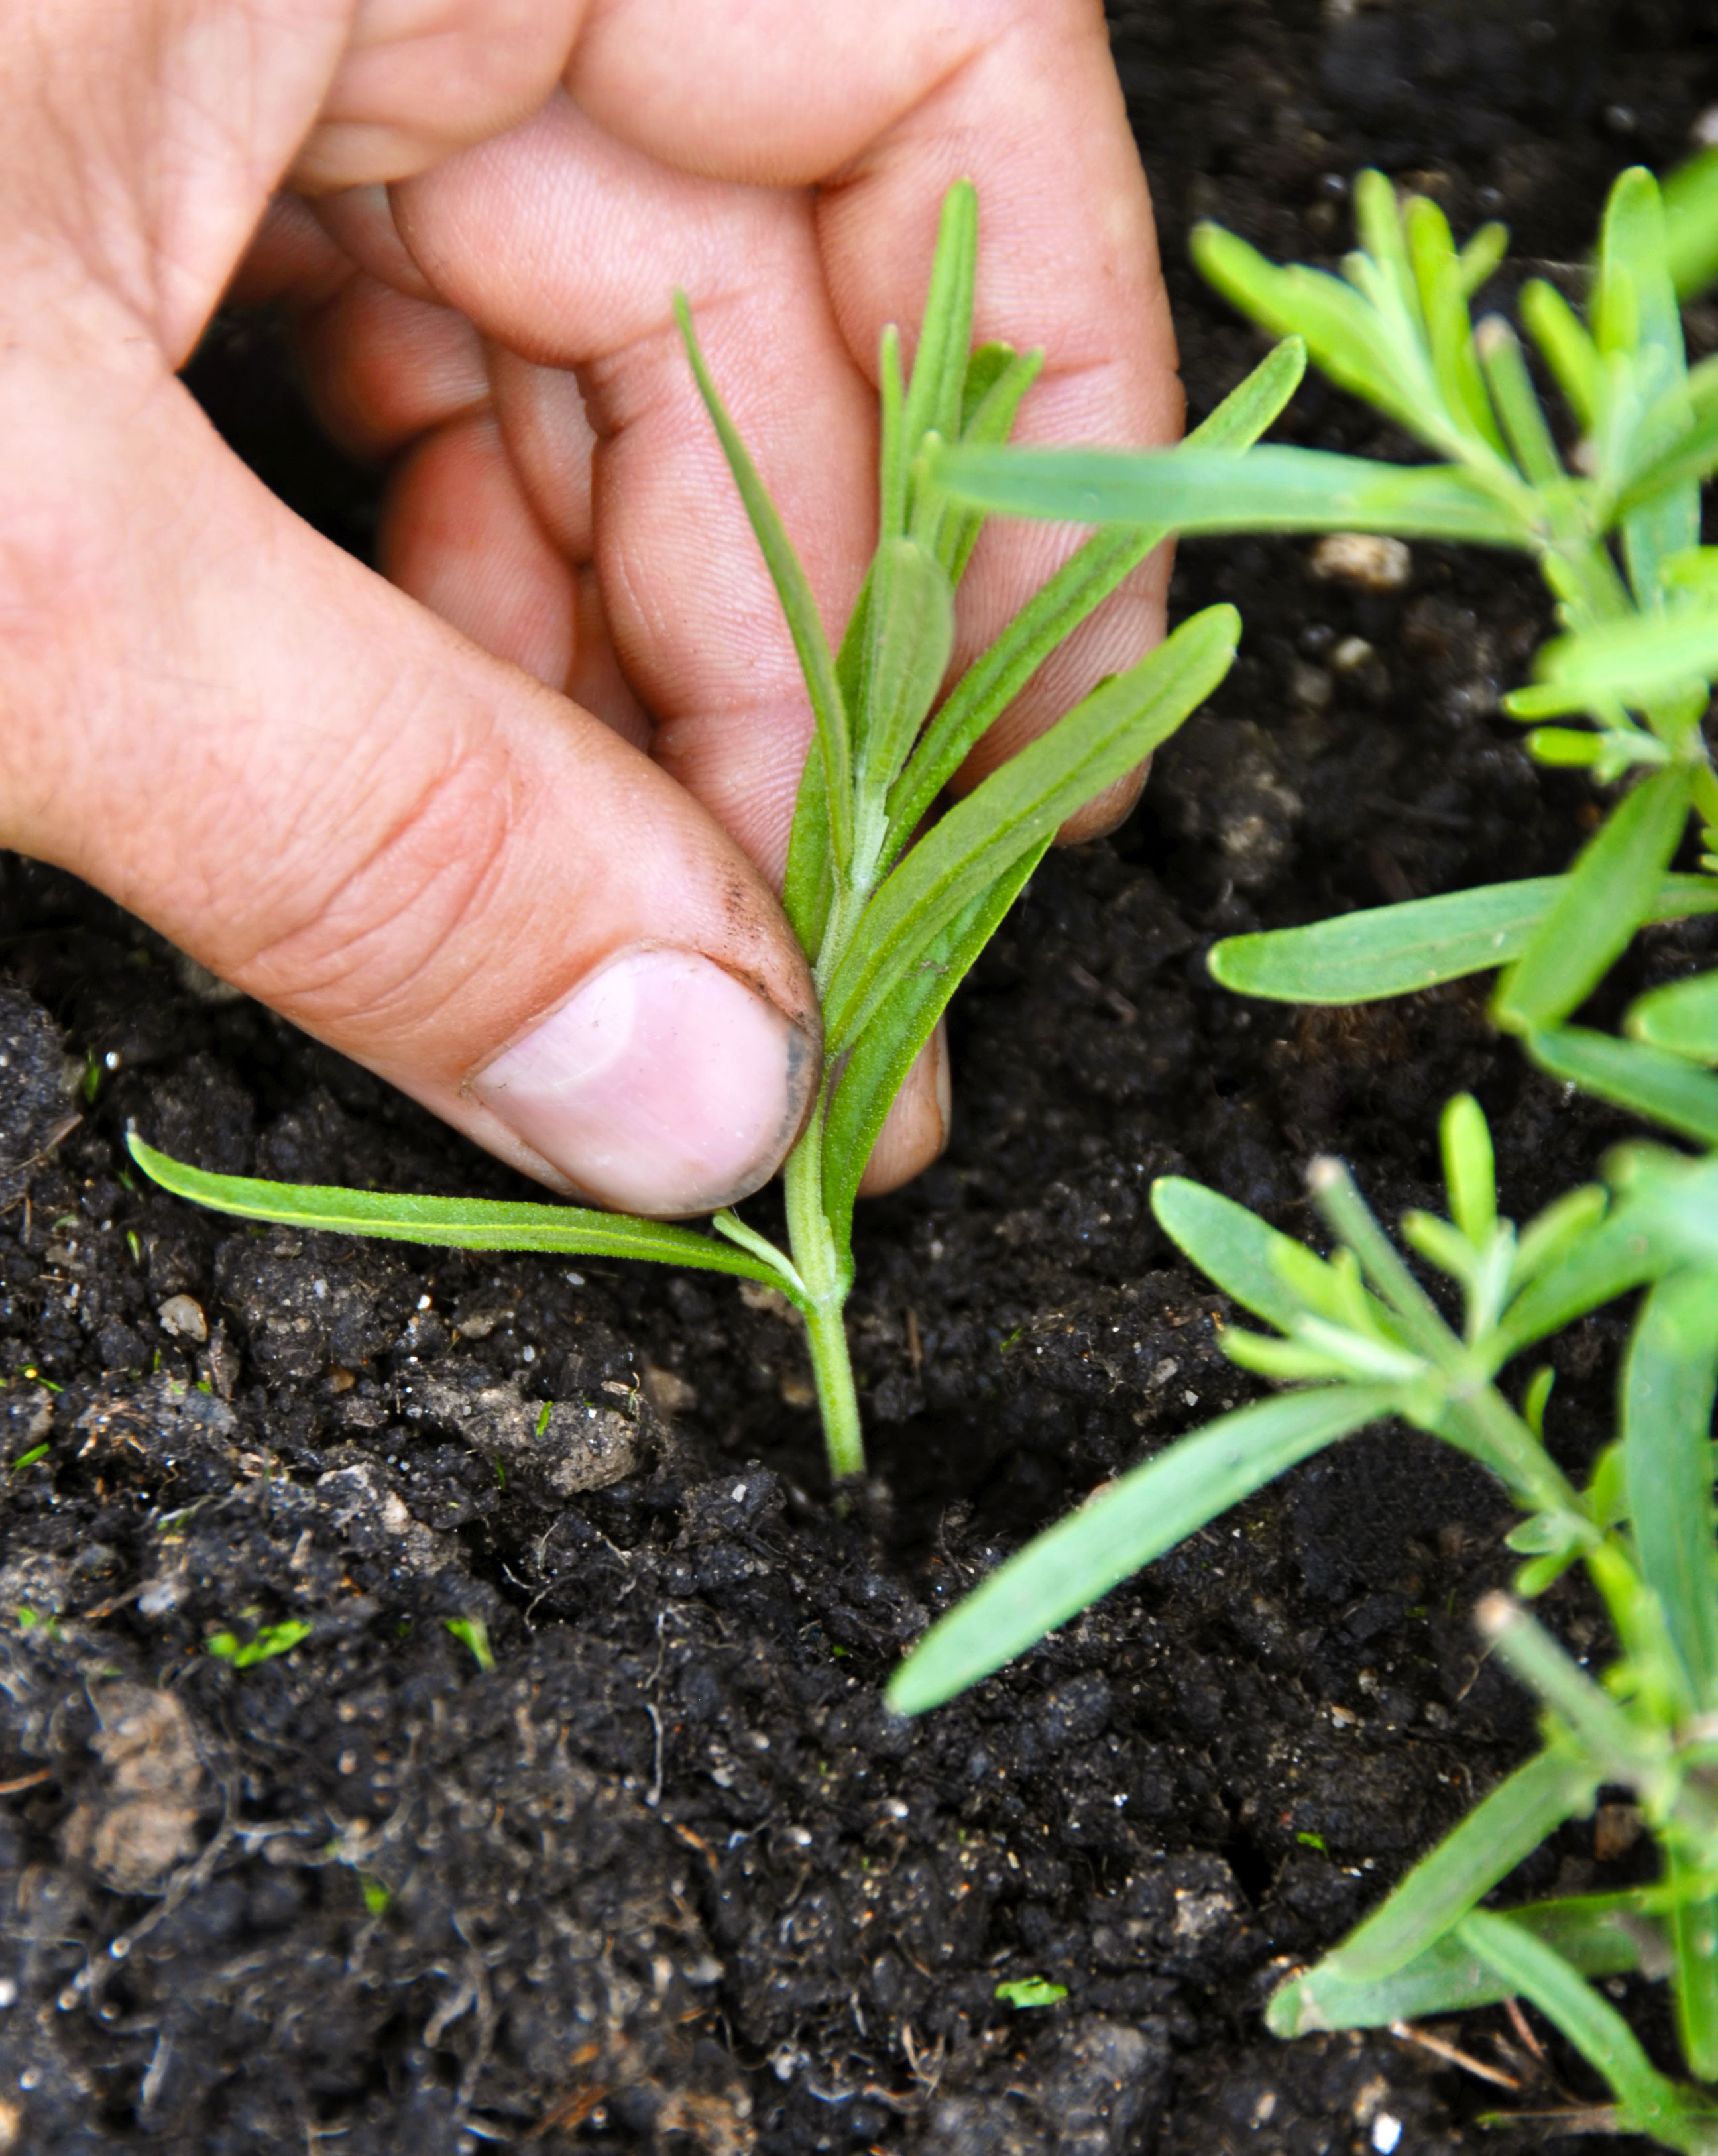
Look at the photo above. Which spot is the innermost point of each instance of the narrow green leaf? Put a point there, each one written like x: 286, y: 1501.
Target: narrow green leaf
x: 1691, y: 224
x: 993, y: 680
x: 1669, y: 1383
x: 1553, y: 1232
x: 886, y: 1050
x: 1500, y: 1832
x: 1671, y: 1199
x: 1293, y: 1362
x: 1246, y: 1257
x: 1393, y: 950
x: 1124, y: 1527
x: 1616, y: 1747
x: 1632, y: 302
x: 910, y: 633
x: 1607, y: 896
x: 1379, y: 219
x: 474, y: 1635
x: 1600, y: 1934
x: 1647, y: 2102
x: 726, y: 1222
x: 1482, y: 254
x: 1268, y: 489
x: 460, y: 1223
x: 944, y: 346
x: 894, y: 461
x: 1342, y: 331
x: 987, y: 366
x: 1684, y: 457
x: 1444, y: 301
x: 1635, y: 313
x: 1565, y: 749
x: 1020, y: 805
x: 1441, y: 1245
x: 1568, y: 347
x: 1470, y: 1169
x: 1517, y: 402
x: 270, y: 1640
x: 1618, y: 1254
x: 1695, y: 571
x: 804, y: 623
x: 1694, y: 1941
x: 1256, y: 402
x: 1681, y: 1017
x: 809, y: 891
x: 1665, y: 1089
x: 1031, y: 1991
x: 989, y: 415
x: 1637, y: 659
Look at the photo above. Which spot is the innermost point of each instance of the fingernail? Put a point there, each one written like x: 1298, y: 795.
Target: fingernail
x: 662, y: 1085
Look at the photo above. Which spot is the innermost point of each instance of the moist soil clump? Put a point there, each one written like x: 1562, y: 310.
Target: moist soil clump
x: 439, y: 1706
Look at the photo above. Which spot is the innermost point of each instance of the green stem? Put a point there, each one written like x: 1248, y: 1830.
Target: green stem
x: 1490, y: 1428
x: 832, y: 1369
x: 1705, y: 792
x: 828, y: 1274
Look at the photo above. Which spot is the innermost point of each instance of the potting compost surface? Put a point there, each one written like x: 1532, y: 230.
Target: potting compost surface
x: 440, y: 1708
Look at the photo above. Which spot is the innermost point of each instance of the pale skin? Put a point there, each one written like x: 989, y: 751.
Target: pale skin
x: 414, y: 812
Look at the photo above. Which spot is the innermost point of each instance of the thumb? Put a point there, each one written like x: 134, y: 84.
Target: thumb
x: 408, y: 847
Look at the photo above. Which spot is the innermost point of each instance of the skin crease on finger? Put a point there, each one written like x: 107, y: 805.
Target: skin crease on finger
x: 420, y: 80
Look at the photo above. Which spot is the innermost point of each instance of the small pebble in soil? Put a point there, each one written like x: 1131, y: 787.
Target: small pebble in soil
x: 1365, y: 559
x: 183, y: 1317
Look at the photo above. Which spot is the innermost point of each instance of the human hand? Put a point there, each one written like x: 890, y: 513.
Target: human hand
x: 350, y: 798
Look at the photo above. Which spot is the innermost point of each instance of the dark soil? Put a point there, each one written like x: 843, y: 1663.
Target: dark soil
x: 666, y: 1877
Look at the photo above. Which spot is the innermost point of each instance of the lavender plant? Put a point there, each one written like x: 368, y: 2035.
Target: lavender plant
x: 891, y: 915
x: 1615, y: 530
x: 1358, y: 1339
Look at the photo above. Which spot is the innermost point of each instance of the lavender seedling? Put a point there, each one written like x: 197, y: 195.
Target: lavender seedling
x: 891, y: 915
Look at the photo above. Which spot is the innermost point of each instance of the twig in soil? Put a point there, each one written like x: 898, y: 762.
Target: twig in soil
x: 572, y: 2112
x: 25, y: 1781
x: 1406, y: 2033
x: 697, y: 1841
x: 189, y: 1879
x: 1112, y: 1000
x: 1519, y: 2023
x: 1591, y: 2118
x: 58, y: 1136
x: 652, y: 1796
x: 927, y: 2073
